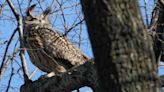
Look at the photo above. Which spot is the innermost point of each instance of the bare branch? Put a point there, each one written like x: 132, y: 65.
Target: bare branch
x: 11, y: 57
x: 52, y: 5
x: 6, y: 50
x: 63, y: 15
x: 84, y: 75
x: 40, y: 5
x: 73, y: 27
x: 146, y: 13
x: 34, y: 72
x: 13, y: 9
x: 2, y: 6
x: 20, y: 30
x: 11, y: 76
x: 20, y: 9
x: 80, y: 36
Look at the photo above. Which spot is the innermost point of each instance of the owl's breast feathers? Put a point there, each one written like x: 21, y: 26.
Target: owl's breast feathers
x: 48, y: 49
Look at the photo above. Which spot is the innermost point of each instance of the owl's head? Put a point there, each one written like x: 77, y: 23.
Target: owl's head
x: 41, y: 20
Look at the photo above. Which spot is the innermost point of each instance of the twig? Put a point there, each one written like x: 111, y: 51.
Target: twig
x: 11, y: 76
x: 2, y: 7
x: 73, y: 27
x: 13, y: 9
x: 80, y: 34
x: 53, y: 3
x: 40, y: 4
x: 6, y: 50
x: 32, y: 74
x: 146, y: 13
x: 63, y: 16
x: 11, y: 57
x: 20, y: 9
x: 3, y: 43
x: 64, y: 8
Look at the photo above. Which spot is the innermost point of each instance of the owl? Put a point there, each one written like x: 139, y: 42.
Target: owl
x: 48, y: 50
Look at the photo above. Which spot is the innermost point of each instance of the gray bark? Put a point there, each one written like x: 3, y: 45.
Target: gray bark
x: 122, y: 48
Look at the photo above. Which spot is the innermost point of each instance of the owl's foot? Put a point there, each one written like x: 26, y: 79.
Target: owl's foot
x: 58, y: 70
x: 51, y: 74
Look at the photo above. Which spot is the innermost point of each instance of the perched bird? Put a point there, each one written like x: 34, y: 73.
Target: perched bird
x: 48, y: 50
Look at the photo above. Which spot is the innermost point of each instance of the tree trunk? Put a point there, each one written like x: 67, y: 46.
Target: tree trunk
x: 122, y: 49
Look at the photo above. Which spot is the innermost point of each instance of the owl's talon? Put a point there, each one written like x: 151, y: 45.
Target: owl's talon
x: 51, y: 74
x: 42, y: 77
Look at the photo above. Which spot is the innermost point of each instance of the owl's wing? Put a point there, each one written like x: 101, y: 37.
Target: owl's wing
x: 61, y: 49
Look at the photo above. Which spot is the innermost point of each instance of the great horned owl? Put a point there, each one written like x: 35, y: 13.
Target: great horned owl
x: 48, y: 50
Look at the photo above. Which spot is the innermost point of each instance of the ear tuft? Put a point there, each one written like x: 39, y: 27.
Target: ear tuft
x: 30, y: 10
x: 46, y: 12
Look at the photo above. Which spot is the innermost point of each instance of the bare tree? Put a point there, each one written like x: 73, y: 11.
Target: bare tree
x: 123, y: 50
x: 66, y: 17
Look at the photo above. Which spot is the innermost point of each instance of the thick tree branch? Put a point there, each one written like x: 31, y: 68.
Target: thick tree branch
x: 84, y: 75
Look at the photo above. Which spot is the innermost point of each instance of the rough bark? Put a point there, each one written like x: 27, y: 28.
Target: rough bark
x: 123, y: 52
x: 84, y: 75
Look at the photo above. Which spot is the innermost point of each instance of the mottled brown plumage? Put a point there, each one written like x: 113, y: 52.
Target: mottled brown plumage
x: 48, y: 50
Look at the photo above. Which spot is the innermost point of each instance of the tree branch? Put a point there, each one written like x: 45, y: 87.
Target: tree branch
x: 2, y: 68
x: 84, y: 75
x: 2, y: 6
x: 20, y: 30
x: 156, y: 30
x: 11, y: 76
x: 73, y: 27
